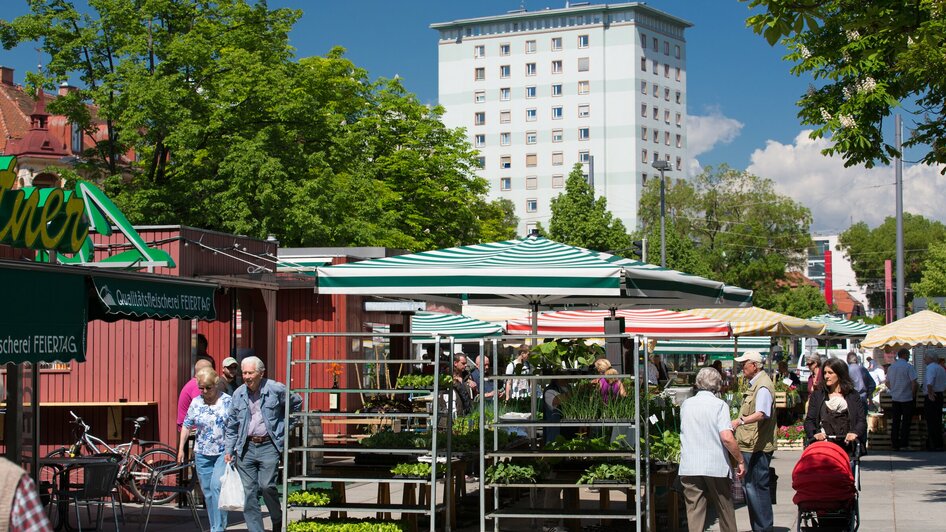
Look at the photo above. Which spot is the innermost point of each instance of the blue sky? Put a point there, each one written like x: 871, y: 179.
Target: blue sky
x: 741, y: 97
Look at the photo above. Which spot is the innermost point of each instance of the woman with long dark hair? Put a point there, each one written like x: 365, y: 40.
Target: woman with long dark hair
x: 835, y: 410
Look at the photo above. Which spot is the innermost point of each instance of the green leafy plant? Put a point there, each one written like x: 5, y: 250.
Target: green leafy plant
x: 558, y: 355
x: 618, y: 407
x: 388, y: 439
x: 345, y: 525
x: 613, y: 472
x: 415, y: 382
x: 791, y: 433
x: 382, y: 403
x: 507, y: 473
x: 582, y: 444
x: 311, y: 497
x: 665, y: 447
x: 415, y: 469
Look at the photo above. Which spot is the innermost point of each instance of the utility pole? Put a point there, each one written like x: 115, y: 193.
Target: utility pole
x: 898, y: 172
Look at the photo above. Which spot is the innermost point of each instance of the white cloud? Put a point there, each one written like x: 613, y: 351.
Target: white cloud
x: 706, y: 131
x: 837, y: 195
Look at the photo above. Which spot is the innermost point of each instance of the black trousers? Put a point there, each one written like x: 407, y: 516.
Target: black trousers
x: 902, y: 419
x: 933, y: 412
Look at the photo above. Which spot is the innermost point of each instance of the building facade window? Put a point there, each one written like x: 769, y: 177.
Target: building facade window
x: 530, y: 92
x: 656, y: 113
x: 679, y: 97
x: 481, y: 161
x: 667, y: 138
x: 505, y: 94
x: 505, y: 183
x: 558, y: 181
x: 557, y: 89
x: 505, y: 138
x: 679, y: 140
x: 583, y: 64
x: 557, y: 135
x: 530, y: 69
x: 584, y: 110
x: 556, y: 44
x: 644, y: 155
x: 505, y: 117
x: 679, y: 119
x: 479, y: 118
x: 666, y: 94
x: 679, y: 164
x: 654, y: 64
x: 532, y: 205
x: 667, y: 116
x: 666, y: 71
x: 479, y: 140
x: 531, y: 137
x: 479, y: 51
x: 676, y: 51
x: 583, y: 41
x: 644, y: 110
x: 504, y: 71
x: 531, y: 160
x: 643, y: 64
x: 656, y: 44
x: 643, y: 41
x: 666, y: 48
x: 504, y: 48
x: 505, y: 162
x: 584, y: 156
x: 557, y: 112
x: 530, y: 47
x: 643, y: 87
x: 479, y: 96
x: 678, y: 73
x: 530, y: 115
x: 656, y: 136
x: 557, y: 158
x: 644, y: 179
x: 584, y: 87
x: 557, y: 66
x: 532, y: 182
x: 643, y: 133
x: 479, y: 73
x: 655, y: 90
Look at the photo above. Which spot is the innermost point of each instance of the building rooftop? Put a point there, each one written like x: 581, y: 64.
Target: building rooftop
x: 578, y: 8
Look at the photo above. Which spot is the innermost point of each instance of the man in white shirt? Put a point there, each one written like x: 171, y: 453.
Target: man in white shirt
x: 705, y: 437
x: 518, y: 388
x: 935, y: 380
x: 755, y: 434
x: 901, y: 383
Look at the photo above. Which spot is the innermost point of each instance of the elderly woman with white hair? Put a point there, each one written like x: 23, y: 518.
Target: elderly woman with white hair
x: 706, y: 436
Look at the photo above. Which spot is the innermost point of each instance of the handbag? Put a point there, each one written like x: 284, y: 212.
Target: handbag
x: 231, y: 490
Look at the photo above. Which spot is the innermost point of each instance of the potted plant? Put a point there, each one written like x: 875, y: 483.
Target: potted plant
x: 345, y: 525
x: 791, y: 437
x: 562, y: 355
x: 581, y: 403
x: 311, y: 498
x: 607, y: 474
x: 509, y: 473
x: 414, y: 470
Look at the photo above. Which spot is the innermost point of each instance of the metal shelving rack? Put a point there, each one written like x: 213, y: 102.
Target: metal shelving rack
x: 432, y: 416
x: 495, y: 454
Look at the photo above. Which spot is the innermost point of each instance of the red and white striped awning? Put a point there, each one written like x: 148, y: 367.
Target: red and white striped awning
x: 653, y: 323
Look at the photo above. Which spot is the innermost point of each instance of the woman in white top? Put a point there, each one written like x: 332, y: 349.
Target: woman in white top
x: 207, y: 415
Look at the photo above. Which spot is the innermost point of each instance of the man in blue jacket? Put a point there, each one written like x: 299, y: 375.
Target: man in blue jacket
x: 255, y: 437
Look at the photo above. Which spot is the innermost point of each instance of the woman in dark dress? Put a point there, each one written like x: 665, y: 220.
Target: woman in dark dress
x: 835, y: 410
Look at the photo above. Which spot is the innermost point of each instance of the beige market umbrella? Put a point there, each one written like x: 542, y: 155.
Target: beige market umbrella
x: 923, y: 328
x: 755, y: 321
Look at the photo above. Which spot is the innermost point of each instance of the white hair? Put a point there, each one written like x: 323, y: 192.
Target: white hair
x: 257, y: 361
x: 709, y: 379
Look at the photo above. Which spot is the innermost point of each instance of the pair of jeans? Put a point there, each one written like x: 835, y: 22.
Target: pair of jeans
x: 258, y: 466
x: 933, y: 412
x: 209, y: 470
x: 902, y: 419
x: 756, y: 488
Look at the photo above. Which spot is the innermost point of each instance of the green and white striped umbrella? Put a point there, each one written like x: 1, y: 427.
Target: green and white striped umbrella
x: 532, y: 271
x: 840, y: 327
x: 716, y: 349
x: 455, y: 325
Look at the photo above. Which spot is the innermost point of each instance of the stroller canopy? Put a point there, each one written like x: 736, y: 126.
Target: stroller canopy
x: 823, y: 474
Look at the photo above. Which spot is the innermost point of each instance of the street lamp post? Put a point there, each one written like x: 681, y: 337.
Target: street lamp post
x: 662, y: 166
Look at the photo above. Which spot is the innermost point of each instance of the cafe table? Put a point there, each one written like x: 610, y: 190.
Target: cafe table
x: 63, y: 466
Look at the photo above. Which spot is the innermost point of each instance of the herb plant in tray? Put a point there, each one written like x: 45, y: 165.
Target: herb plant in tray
x: 311, y: 497
x: 607, y: 473
x: 414, y: 470
x: 507, y: 473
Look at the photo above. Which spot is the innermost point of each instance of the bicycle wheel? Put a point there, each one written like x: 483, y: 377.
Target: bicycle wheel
x: 140, y: 469
x: 47, y: 475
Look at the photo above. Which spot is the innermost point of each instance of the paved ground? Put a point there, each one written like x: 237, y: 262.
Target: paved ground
x: 900, y: 492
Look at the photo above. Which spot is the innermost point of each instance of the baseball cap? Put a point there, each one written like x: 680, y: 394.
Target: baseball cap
x: 229, y: 361
x: 750, y: 356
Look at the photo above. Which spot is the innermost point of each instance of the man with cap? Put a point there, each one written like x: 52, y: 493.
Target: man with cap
x: 755, y: 434
x: 231, y: 375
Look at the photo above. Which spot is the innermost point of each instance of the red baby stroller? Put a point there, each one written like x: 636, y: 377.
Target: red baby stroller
x: 826, y: 482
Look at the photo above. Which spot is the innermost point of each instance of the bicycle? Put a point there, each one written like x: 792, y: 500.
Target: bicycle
x: 135, y: 469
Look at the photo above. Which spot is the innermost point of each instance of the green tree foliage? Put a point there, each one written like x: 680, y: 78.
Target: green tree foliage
x: 230, y: 132
x: 868, y: 248
x: 801, y: 302
x: 580, y: 219
x: 746, y: 233
x: 867, y: 58
x: 933, y: 278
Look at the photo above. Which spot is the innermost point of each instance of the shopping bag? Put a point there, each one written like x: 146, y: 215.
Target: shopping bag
x: 231, y: 490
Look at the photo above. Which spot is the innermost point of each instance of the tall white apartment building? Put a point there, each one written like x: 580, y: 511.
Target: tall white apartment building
x: 538, y: 92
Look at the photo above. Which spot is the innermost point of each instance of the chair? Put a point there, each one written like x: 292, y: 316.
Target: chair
x: 97, y: 487
x: 186, y: 473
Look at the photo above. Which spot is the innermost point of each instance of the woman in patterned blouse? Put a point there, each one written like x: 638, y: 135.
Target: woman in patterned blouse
x: 207, y: 416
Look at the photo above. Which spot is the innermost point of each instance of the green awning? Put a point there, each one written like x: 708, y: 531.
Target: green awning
x: 43, y: 316
x: 136, y: 298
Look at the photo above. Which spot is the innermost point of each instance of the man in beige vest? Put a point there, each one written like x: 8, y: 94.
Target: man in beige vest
x: 20, y: 506
x: 755, y: 433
